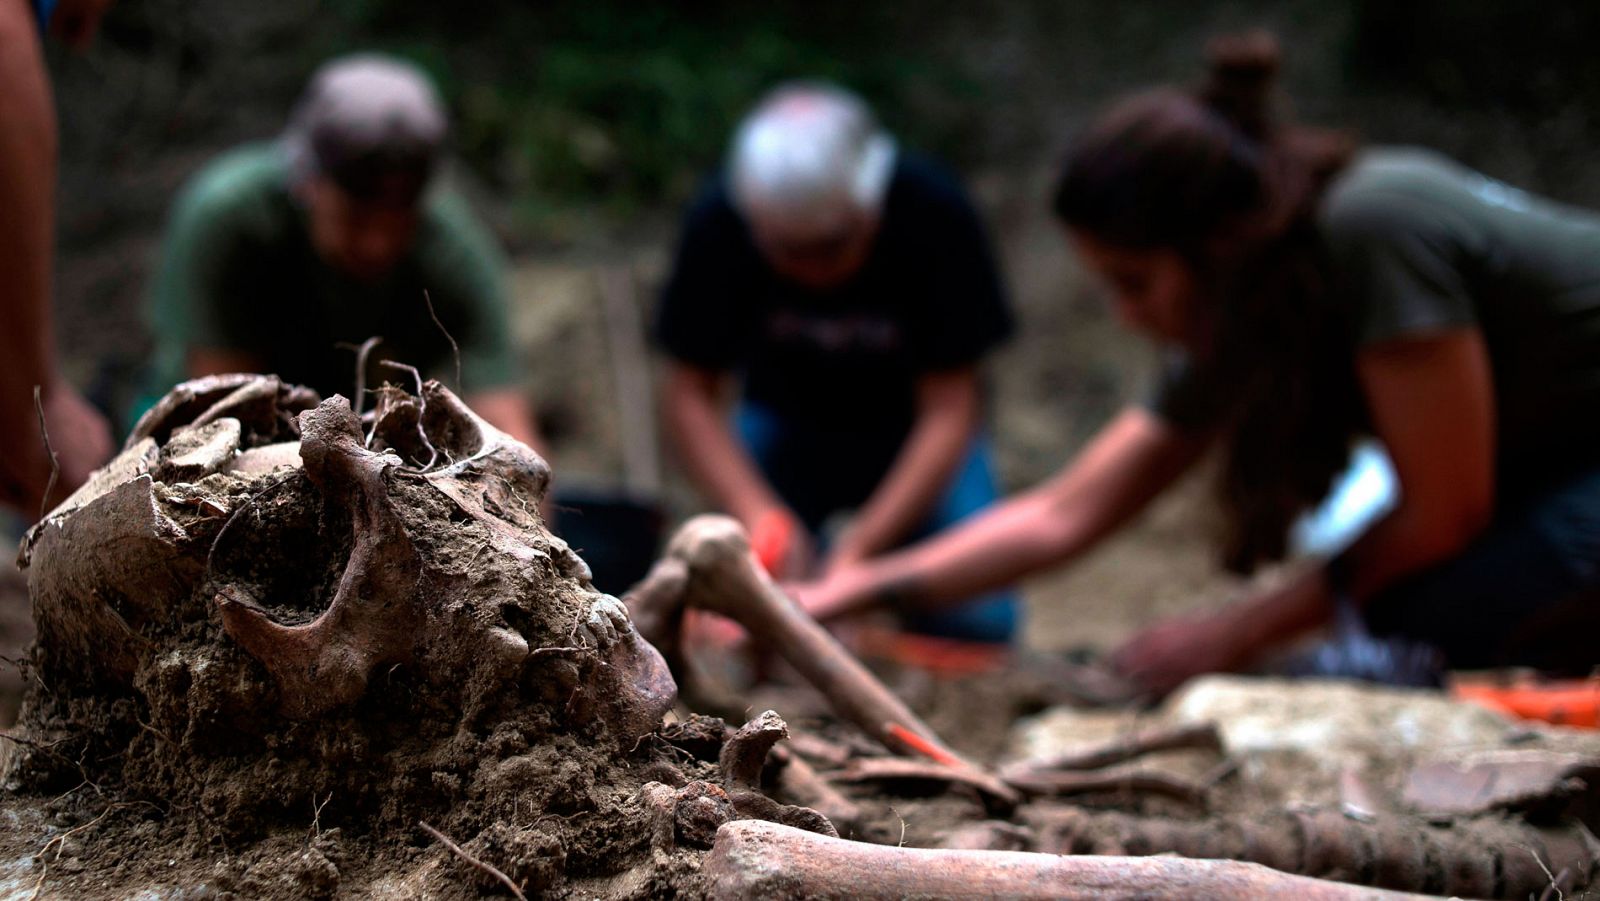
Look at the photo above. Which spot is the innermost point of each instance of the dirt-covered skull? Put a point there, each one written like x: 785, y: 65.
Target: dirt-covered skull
x: 333, y: 550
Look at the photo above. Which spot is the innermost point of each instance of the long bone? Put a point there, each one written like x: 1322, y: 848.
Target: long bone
x: 753, y: 859
x: 720, y: 574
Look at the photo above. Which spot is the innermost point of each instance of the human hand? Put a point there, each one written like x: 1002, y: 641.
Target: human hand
x: 828, y: 596
x: 80, y: 437
x: 1164, y: 656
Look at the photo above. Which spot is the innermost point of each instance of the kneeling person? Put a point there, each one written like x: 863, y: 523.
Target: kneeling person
x: 850, y: 291
x: 281, y: 257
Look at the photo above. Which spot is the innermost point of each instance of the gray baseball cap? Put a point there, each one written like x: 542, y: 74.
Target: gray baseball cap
x: 371, y: 123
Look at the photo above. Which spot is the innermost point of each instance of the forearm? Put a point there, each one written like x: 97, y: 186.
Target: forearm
x: 1302, y: 602
x: 716, y: 463
x: 1404, y: 542
x: 1129, y: 462
x: 929, y: 458
x: 1399, y: 545
x: 27, y: 182
x: 994, y: 549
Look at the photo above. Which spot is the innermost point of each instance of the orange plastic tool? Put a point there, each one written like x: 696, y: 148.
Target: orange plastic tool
x: 1572, y: 702
x: 771, y: 538
x: 921, y: 745
x: 943, y: 656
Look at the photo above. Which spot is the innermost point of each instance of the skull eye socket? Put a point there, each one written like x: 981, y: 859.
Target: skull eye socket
x: 294, y: 520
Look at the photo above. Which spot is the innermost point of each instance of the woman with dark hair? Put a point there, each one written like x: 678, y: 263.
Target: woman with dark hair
x: 1307, y: 294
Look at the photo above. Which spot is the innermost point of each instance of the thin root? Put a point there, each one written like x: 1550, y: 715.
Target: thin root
x: 455, y: 349
x: 363, y: 352
x: 55, y: 462
x: 59, y: 843
x: 422, y: 410
x: 456, y: 850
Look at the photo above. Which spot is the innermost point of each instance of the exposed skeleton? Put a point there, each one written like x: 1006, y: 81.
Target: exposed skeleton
x: 122, y: 553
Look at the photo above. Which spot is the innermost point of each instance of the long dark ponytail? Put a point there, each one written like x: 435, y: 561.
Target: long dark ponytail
x: 1213, y: 174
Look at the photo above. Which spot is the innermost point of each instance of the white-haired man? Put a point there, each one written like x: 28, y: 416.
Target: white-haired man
x: 850, y: 291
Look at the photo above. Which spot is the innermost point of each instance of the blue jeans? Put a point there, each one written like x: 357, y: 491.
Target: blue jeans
x: 1526, y: 592
x: 821, y: 472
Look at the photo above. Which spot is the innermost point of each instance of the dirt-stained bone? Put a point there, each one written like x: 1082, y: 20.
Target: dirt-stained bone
x: 720, y: 574
x: 752, y: 859
x: 375, y: 617
x: 745, y: 752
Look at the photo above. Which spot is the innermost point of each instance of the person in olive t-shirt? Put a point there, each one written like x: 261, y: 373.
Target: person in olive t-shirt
x: 1307, y: 295
x: 851, y: 291
x: 283, y: 257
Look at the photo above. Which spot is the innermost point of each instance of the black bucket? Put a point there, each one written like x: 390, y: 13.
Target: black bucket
x: 617, y: 535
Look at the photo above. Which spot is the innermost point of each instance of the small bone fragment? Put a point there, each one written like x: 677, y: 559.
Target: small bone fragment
x: 1200, y: 736
x: 743, y: 756
x: 1500, y: 780
x: 753, y: 859
x: 699, y: 810
x: 197, y: 451
x: 800, y: 784
x: 882, y: 769
x: 745, y: 752
x: 1063, y: 783
x: 265, y: 458
x: 660, y: 801
x: 1358, y: 798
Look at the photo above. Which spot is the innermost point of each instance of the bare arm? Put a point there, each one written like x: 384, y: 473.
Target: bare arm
x: 1432, y: 405
x: 80, y: 435
x: 1129, y: 462
x: 27, y: 182
x: 948, y: 409
x: 695, y: 408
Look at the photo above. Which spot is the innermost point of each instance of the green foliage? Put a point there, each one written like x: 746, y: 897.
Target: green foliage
x: 565, y: 105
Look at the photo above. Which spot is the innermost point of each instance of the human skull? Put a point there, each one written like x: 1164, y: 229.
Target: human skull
x: 330, y: 555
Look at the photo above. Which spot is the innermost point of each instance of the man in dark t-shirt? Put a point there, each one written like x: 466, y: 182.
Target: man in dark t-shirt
x: 852, y: 293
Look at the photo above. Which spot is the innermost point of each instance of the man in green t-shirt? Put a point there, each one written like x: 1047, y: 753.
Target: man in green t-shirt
x: 286, y: 256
